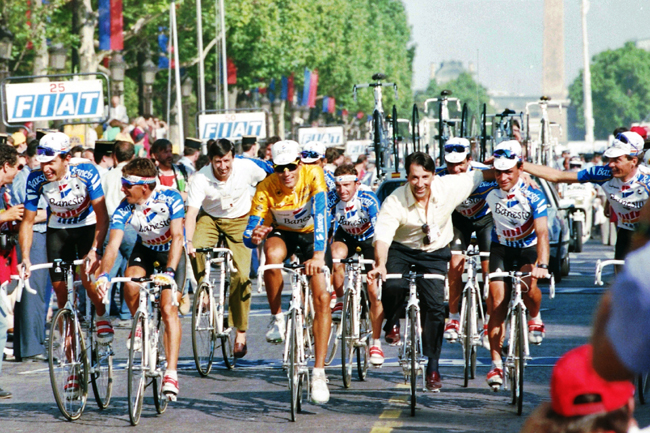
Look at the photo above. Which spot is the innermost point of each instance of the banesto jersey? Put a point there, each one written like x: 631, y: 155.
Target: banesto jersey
x: 475, y: 206
x: 514, y: 213
x: 69, y: 199
x: 625, y: 198
x: 152, y: 219
x: 358, y: 216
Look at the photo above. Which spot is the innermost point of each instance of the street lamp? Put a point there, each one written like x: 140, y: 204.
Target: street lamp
x: 149, y: 70
x: 6, y: 43
x: 187, y: 87
x: 265, y: 103
x: 117, y: 67
x: 58, y: 56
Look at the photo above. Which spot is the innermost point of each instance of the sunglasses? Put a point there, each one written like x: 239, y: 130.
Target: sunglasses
x: 427, y: 231
x: 623, y: 138
x: 455, y: 148
x: 505, y: 153
x: 281, y: 168
x: 129, y: 185
x: 310, y: 154
x: 47, y: 151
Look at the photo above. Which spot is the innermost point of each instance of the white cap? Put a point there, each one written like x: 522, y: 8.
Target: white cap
x: 453, y: 156
x: 313, y: 146
x: 576, y: 161
x: 506, y: 163
x: 57, y: 142
x: 285, y: 152
x: 625, y: 143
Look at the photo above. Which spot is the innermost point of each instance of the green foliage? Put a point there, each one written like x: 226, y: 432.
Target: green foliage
x: 620, y: 88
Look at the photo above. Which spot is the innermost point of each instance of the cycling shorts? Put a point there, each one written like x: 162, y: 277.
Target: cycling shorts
x: 365, y: 247
x: 463, y: 229
x: 510, y: 258
x: 144, y: 258
x: 300, y: 244
x: 68, y: 245
x: 623, y: 243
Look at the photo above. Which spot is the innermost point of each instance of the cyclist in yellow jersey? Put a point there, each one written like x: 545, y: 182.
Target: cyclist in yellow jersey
x: 289, y: 210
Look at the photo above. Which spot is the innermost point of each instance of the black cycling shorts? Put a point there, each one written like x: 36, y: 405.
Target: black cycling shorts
x: 463, y: 229
x: 365, y: 247
x: 509, y: 259
x: 144, y: 258
x: 623, y: 243
x: 300, y: 244
x: 68, y: 245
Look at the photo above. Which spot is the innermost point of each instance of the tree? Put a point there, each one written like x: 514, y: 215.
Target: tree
x: 620, y: 88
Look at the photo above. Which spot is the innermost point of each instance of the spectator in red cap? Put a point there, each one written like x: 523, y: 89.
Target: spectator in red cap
x: 582, y: 401
x: 641, y: 131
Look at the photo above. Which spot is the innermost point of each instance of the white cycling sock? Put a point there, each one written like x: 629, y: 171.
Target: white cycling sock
x: 538, y: 318
x: 106, y: 316
x: 454, y: 317
x: 497, y: 364
x: 318, y: 371
x: 172, y: 374
x: 280, y: 316
x: 376, y: 342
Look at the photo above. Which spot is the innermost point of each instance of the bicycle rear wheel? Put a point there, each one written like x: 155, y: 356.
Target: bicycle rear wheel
x: 160, y: 400
x: 294, y: 376
x: 413, y: 370
x: 68, y: 365
x: 136, y: 369
x: 203, y: 334
x: 347, y: 344
x: 102, y: 370
x: 228, y: 341
x: 333, y: 342
x: 365, y: 333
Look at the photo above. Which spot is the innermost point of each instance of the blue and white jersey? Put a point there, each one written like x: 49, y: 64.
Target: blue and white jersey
x: 475, y: 206
x: 69, y: 199
x: 358, y: 216
x: 625, y: 198
x: 332, y: 197
x: 152, y: 219
x: 514, y: 213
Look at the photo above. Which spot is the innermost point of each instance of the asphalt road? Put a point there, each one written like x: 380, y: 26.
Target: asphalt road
x: 254, y: 397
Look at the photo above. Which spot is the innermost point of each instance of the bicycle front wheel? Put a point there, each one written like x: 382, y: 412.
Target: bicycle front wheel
x: 333, y: 342
x: 467, y: 338
x: 347, y: 343
x: 294, y: 377
x: 228, y: 340
x: 68, y: 365
x: 160, y: 400
x: 365, y: 333
x: 414, y: 354
x: 203, y: 334
x: 517, y: 376
x: 136, y: 368
x: 102, y: 371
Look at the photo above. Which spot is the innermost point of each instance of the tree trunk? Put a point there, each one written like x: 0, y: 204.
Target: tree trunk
x: 87, y: 21
x: 41, y: 55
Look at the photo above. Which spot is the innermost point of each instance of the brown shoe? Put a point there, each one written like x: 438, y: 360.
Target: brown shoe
x: 240, y: 350
x: 434, y: 382
x: 392, y: 337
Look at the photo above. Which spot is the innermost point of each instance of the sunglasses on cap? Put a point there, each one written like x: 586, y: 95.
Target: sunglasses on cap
x: 455, y: 148
x: 623, y: 138
x: 310, y: 154
x: 281, y: 168
x: 47, y: 151
x: 505, y: 153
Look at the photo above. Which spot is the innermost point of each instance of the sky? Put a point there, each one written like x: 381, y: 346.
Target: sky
x: 506, y: 37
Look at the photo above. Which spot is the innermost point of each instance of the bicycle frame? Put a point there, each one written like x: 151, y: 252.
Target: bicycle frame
x: 601, y: 264
x: 354, y: 287
x: 544, y: 153
x: 472, y: 265
x: 225, y: 261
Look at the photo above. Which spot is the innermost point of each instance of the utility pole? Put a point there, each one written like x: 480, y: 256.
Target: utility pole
x: 199, y: 40
x: 586, y: 79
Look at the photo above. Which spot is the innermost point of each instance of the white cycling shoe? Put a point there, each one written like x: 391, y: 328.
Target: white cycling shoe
x: 320, y: 393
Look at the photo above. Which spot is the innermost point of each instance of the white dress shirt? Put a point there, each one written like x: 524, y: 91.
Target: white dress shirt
x: 227, y: 199
x: 401, y: 217
x: 112, y: 186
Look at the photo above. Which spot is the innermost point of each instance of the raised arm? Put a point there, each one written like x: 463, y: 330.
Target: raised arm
x: 551, y: 174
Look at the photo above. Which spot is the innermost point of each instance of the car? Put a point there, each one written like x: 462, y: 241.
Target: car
x: 558, y: 223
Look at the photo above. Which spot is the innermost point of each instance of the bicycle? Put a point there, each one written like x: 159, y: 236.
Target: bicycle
x: 147, y: 359
x: 517, y: 343
x: 210, y: 314
x: 356, y: 327
x: 74, y: 356
x: 445, y: 122
x: 410, y: 356
x: 543, y: 152
x: 379, y: 130
x: 298, y: 342
x: 471, y: 311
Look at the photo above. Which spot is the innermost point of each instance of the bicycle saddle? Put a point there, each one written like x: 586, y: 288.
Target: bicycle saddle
x: 379, y: 76
x: 445, y: 93
x: 545, y: 98
x: 507, y: 112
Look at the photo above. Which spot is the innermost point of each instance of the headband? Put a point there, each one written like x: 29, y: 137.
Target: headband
x: 347, y: 178
x: 138, y: 180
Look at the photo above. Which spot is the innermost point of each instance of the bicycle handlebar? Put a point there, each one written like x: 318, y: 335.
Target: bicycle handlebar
x: 469, y: 254
x: 366, y: 85
x: 352, y: 260
x: 24, y: 282
x: 413, y: 276
x: 215, y: 250
x: 456, y: 100
x: 599, y: 268
x: 519, y: 274
x: 292, y: 267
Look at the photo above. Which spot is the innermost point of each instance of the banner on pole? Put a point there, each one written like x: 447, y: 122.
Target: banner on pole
x: 58, y: 100
x: 330, y: 135
x: 232, y: 125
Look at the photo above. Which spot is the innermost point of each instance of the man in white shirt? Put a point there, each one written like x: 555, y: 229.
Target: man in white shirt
x: 219, y: 196
x: 123, y: 152
x: 414, y: 228
x: 118, y: 111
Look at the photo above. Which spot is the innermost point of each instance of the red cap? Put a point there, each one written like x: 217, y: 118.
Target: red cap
x: 640, y: 130
x: 573, y: 377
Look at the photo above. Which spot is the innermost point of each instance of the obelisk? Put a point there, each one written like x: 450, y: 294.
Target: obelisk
x: 553, y: 61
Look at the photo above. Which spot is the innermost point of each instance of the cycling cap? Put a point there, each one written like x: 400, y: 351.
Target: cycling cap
x: 575, y: 161
x: 51, y: 145
x: 456, y: 149
x: 285, y: 152
x: 625, y: 143
x: 577, y: 390
x: 507, y: 154
x: 312, y: 152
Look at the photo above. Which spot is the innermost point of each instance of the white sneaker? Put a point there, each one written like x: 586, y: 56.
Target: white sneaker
x: 320, y: 394
x: 275, y: 334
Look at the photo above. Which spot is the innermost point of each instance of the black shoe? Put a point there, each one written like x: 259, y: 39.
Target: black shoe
x: 5, y: 394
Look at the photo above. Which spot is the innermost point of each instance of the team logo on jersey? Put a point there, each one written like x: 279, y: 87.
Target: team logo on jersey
x: 64, y: 190
x: 299, y: 213
x: 626, y: 191
x: 350, y: 211
x: 149, y: 214
x: 511, y: 201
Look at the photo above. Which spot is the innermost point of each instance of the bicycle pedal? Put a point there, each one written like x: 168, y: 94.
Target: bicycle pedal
x: 170, y: 396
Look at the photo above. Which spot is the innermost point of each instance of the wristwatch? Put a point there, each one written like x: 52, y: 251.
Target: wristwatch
x: 542, y: 265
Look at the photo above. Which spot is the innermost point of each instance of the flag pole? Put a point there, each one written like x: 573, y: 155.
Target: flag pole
x: 199, y: 40
x: 177, y: 74
x: 224, y: 73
